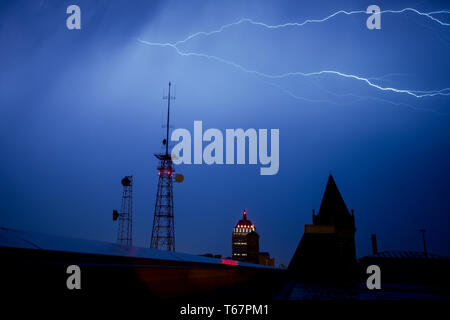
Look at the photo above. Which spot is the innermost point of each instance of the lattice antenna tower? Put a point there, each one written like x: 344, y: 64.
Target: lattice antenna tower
x: 163, y: 232
x: 125, y: 216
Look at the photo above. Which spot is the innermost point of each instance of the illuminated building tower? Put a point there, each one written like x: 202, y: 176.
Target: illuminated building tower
x: 245, y: 241
x: 125, y: 216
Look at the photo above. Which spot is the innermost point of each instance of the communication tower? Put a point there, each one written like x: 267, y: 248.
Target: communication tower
x: 125, y: 216
x: 163, y: 232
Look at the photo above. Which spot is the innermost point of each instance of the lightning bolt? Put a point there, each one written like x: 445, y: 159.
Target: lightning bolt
x: 365, y: 80
x: 428, y: 15
x: 414, y: 93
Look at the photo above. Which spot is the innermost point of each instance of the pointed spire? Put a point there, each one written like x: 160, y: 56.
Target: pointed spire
x: 244, y: 214
x: 333, y: 209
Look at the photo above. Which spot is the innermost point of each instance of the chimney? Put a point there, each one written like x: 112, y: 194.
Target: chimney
x: 374, y: 244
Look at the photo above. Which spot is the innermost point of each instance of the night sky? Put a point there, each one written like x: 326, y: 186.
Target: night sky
x: 80, y: 109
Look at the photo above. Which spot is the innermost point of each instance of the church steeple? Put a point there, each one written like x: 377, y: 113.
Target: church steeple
x: 333, y: 210
x: 330, y: 240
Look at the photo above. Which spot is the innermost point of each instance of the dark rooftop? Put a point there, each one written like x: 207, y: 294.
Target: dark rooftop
x: 398, y: 254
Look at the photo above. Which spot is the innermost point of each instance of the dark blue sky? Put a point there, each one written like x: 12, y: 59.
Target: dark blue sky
x: 80, y: 109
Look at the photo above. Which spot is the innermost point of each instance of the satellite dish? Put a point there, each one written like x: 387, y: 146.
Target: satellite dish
x: 126, y: 181
x: 115, y: 215
x: 179, y: 178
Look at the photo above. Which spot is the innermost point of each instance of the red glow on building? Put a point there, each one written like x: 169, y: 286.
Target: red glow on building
x: 229, y: 262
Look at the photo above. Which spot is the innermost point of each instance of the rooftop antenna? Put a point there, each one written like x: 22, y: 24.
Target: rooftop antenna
x: 125, y: 216
x: 163, y: 232
x: 168, y: 97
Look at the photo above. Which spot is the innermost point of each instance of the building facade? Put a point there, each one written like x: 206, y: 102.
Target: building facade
x: 266, y: 260
x: 245, y: 241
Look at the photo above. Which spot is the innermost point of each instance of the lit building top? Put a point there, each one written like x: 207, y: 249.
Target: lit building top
x: 244, y: 225
x: 245, y: 241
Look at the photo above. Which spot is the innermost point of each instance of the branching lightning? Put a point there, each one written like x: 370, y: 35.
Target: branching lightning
x: 429, y: 15
x: 366, y: 80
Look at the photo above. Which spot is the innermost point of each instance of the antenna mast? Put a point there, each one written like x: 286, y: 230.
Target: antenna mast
x: 163, y: 232
x: 168, y: 118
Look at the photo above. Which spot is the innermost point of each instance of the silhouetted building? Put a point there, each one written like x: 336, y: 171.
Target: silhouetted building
x: 328, y: 245
x: 266, y: 260
x: 245, y: 241
x: 410, y: 267
x: 252, y: 247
